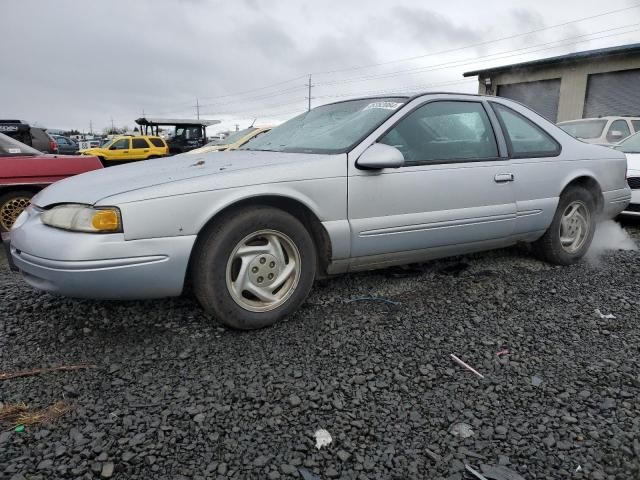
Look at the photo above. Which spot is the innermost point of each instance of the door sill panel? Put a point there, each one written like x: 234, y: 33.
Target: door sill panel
x: 374, y: 262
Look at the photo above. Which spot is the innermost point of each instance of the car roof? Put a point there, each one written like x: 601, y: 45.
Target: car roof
x: 418, y: 95
x: 608, y: 117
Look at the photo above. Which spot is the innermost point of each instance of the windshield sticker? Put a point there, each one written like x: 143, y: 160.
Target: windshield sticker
x: 14, y: 150
x: 383, y: 105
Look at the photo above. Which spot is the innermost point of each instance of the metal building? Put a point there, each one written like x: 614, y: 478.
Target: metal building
x: 585, y: 84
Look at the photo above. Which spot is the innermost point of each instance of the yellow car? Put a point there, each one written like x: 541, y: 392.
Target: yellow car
x: 233, y: 141
x: 126, y: 148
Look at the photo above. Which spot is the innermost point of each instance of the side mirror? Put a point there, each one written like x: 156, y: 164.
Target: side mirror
x: 379, y: 156
x: 616, y: 134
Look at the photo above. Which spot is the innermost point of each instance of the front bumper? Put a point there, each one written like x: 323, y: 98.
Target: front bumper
x: 84, y: 265
x: 634, y: 206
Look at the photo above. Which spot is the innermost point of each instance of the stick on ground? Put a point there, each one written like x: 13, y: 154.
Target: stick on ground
x: 39, y: 371
x: 468, y: 367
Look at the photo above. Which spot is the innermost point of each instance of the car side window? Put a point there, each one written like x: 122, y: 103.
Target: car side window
x: 525, y: 138
x: 444, y: 131
x: 139, y: 143
x: 60, y: 141
x: 157, y: 142
x: 636, y: 125
x: 618, y: 130
x: 122, y: 144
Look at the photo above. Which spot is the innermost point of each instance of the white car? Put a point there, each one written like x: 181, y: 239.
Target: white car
x: 631, y: 148
x: 603, y: 130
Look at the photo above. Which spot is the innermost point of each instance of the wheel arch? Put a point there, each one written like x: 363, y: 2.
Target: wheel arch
x: 589, y: 183
x: 18, y: 188
x: 293, y: 206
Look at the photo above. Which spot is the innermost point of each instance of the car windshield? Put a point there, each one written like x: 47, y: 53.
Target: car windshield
x: 584, y: 128
x: 108, y: 143
x: 10, y: 147
x: 334, y: 128
x: 232, y: 138
x: 630, y: 145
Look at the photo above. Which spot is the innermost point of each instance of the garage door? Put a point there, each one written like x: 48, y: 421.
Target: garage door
x: 613, y: 93
x: 540, y: 96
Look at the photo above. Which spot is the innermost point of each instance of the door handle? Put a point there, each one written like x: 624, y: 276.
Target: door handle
x: 503, y: 177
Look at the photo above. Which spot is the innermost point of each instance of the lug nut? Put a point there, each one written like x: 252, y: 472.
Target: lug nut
x: 260, y: 279
x: 262, y: 260
x: 270, y: 276
x: 254, y: 269
x: 272, y: 264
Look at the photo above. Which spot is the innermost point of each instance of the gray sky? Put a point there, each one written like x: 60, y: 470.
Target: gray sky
x: 72, y: 61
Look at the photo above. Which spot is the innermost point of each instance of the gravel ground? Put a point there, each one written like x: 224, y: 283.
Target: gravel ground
x: 174, y: 396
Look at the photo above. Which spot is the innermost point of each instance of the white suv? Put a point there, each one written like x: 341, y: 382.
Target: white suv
x: 602, y: 130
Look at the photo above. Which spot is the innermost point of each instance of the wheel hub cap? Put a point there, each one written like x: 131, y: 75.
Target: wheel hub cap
x: 574, y: 226
x: 263, y: 270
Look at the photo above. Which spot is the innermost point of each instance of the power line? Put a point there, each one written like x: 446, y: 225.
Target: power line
x: 474, y: 45
x: 441, y: 52
x: 476, y: 59
x: 235, y: 94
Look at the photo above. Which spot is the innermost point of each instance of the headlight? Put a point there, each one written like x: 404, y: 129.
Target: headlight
x: 82, y: 218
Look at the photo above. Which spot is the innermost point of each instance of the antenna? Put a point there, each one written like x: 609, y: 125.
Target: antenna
x: 254, y: 121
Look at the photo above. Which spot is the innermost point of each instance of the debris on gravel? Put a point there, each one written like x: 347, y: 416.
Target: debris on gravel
x: 176, y: 396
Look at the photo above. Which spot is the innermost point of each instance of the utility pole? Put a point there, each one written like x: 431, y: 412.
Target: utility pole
x: 112, y: 125
x: 197, y: 108
x: 90, y: 127
x: 309, y: 97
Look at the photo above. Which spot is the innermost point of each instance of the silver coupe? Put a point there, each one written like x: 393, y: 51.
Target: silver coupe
x: 353, y: 185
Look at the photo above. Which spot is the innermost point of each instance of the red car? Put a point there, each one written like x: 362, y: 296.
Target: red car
x: 24, y: 171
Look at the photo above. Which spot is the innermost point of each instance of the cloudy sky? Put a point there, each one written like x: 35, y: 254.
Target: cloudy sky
x: 70, y: 62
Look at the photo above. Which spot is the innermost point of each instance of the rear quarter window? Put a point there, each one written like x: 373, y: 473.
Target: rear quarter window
x: 158, y: 142
x: 140, y: 143
x: 524, y: 137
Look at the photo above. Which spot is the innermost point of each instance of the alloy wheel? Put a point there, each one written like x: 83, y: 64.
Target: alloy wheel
x: 11, y: 209
x: 574, y: 226
x: 263, y: 270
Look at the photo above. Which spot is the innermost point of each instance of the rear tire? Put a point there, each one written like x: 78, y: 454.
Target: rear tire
x: 254, y: 267
x: 569, y: 237
x: 11, y: 205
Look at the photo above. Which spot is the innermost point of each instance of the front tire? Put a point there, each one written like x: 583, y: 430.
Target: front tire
x: 254, y: 267
x: 11, y: 205
x: 569, y: 237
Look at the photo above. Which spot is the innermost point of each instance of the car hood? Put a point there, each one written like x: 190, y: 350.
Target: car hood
x: 92, y: 151
x: 209, y: 168
x: 212, y: 148
x: 633, y: 161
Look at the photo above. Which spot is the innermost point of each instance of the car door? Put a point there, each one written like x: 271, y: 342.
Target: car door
x: 120, y: 150
x: 139, y: 148
x: 454, y: 190
x: 535, y: 165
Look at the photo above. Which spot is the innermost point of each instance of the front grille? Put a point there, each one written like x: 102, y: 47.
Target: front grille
x: 633, y: 207
x: 634, y: 183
